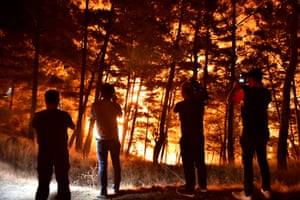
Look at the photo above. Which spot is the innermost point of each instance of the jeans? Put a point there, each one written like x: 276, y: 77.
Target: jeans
x: 192, y: 154
x: 103, y: 147
x: 249, y: 147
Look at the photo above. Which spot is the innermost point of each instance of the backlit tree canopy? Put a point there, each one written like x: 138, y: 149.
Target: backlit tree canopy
x: 147, y: 48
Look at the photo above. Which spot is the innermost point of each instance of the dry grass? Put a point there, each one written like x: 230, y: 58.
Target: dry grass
x: 20, y: 154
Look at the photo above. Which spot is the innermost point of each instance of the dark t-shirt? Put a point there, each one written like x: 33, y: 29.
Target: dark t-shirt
x: 254, y: 109
x: 51, y: 126
x: 191, y: 117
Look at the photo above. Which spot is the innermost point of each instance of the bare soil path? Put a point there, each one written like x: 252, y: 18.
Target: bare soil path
x: 21, y: 186
x: 24, y: 189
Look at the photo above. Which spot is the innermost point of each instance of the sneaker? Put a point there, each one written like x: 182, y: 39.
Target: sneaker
x: 102, y: 195
x: 202, y: 190
x: 241, y: 195
x: 183, y: 192
x: 116, y: 189
x: 266, y: 193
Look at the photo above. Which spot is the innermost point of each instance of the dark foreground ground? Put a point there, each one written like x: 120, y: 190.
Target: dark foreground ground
x: 20, y: 189
x: 169, y: 193
x: 22, y: 186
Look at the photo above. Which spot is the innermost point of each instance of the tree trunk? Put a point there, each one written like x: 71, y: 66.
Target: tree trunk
x: 101, y: 67
x: 126, y: 116
x: 273, y: 92
x: 196, y: 46
x: 162, y: 135
x: 78, y: 132
x: 296, y: 103
x: 207, y: 46
x: 146, y: 135
x: 35, y: 70
x: 224, y: 141
x: 129, y: 111
x: 282, y: 152
x: 230, y: 143
x: 135, y: 112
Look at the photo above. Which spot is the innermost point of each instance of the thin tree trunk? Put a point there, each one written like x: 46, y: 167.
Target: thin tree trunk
x: 162, y: 134
x: 146, y: 135
x: 12, y: 92
x: 163, y: 149
x: 126, y: 116
x: 282, y: 152
x: 230, y: 147
x: 291, y: 138
x: 78, y: 132
x: 196, y: 46
x: 134, y: 118
x: 224, y: 142
x: 296, y: 103
x: 130, y: 110
x: 35, y: 70
x: 87, y: 145
x: 273, y: 92
x: 207, y: 46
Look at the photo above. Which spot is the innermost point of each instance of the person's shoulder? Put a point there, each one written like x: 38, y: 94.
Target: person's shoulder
x: 180, y: 103
x: 267, y: 92
x: 245, y: 87
x: 62, y: 112
x: 117, y: 104
x: 178, y: 106
x: 264, y: 89
x: 41, y: 112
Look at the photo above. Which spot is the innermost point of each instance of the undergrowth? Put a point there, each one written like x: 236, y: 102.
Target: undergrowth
x: 20, y: 154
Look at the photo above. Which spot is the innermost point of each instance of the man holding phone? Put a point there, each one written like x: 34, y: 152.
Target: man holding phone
x: 254, y: 99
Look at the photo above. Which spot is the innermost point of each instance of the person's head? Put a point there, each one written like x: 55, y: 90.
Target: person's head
x: 107, y: 91
x: 52, y: 98
x: 187, y: 90
x: 255, y: 75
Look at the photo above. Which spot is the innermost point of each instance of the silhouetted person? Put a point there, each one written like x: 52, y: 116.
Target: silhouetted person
x: 191, y: 111
x: 51, y: 127
x: 254, y: 100
x: 105, y: 112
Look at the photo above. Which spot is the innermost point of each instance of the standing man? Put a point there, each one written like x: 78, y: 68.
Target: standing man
x: 105, y: 112
x: 191, y: 111
x: 51, y: 127
x: 254, y: 100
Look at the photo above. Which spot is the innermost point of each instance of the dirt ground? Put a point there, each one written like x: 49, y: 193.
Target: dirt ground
x: 22, y: 186
x: 24, y: 189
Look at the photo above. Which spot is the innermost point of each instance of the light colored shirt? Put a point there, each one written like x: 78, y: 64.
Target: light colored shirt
x: 105, y: 112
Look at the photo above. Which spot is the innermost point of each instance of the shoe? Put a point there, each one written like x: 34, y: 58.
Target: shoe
x: 266, y: 193
x: 116, y: 189
x: 202, y: 190
x: 103, y: 194
x: 241, y: 195
x: 183, y: 192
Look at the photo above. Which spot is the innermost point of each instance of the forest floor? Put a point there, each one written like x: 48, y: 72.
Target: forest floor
x: 18, y: 186
x: 25, y: 189
x: 140, y: 179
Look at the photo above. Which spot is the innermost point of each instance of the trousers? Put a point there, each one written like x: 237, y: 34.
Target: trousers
x: 60, y: 163
x: 250, y: 146
x: 103, y: 147
x: 193, y: 158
